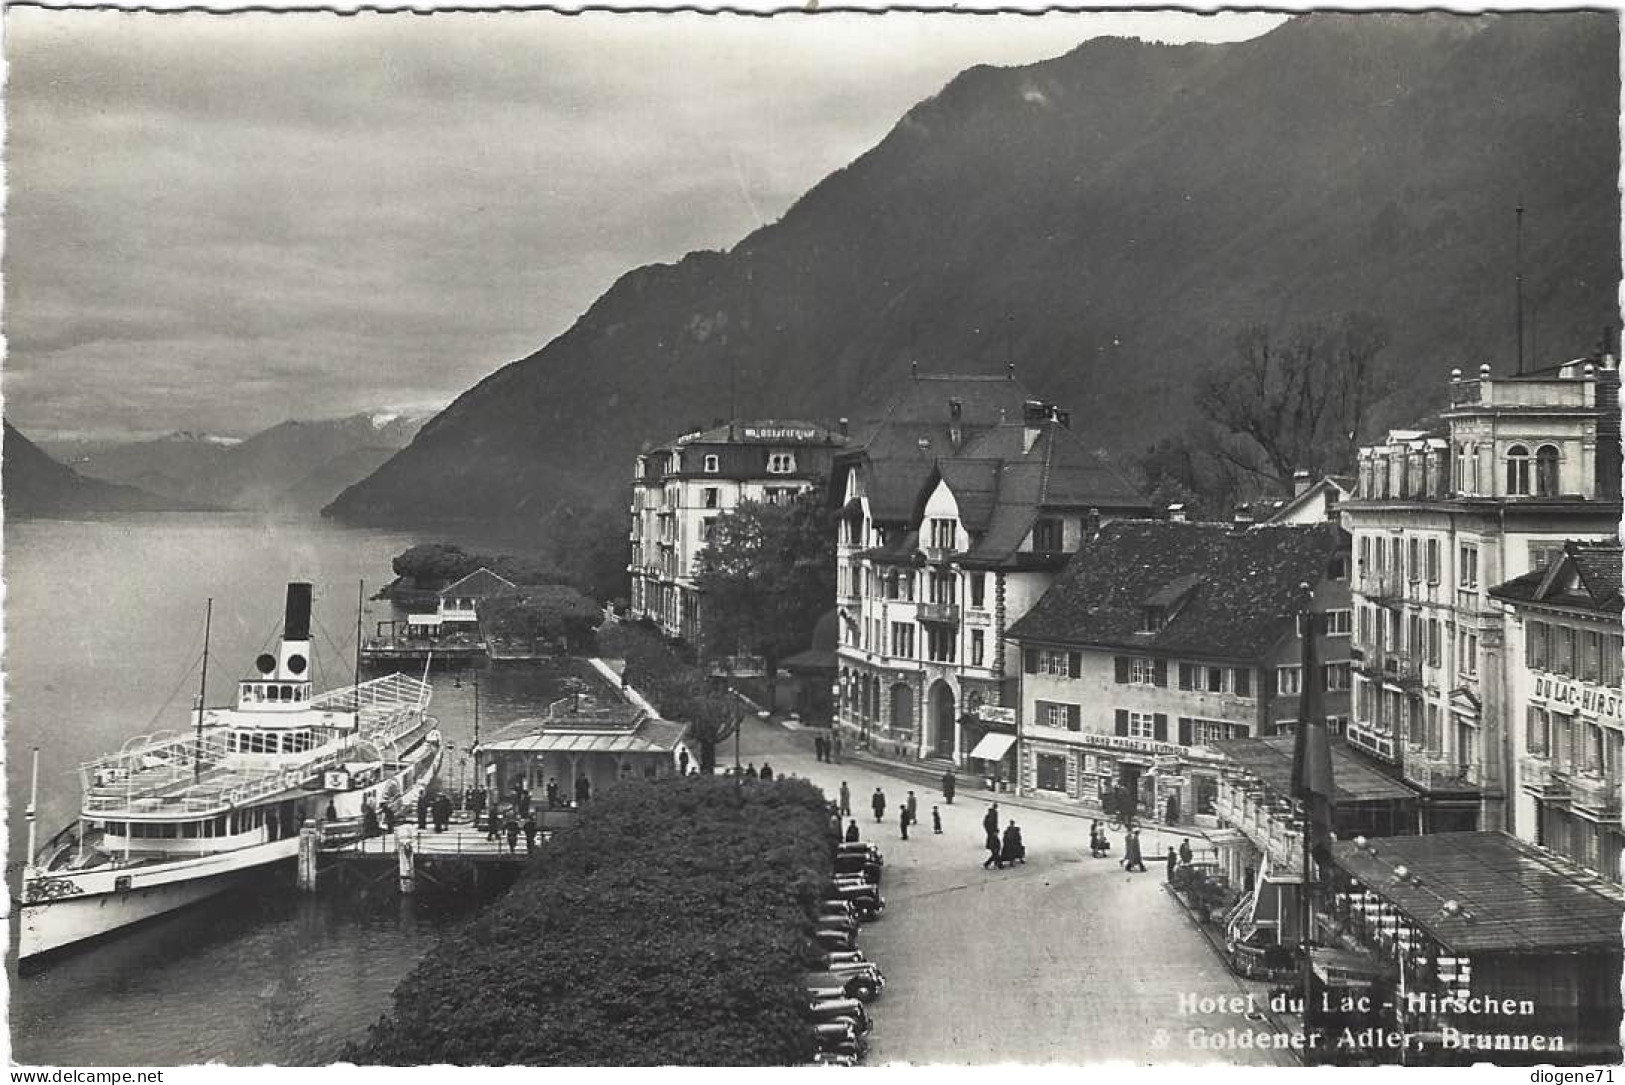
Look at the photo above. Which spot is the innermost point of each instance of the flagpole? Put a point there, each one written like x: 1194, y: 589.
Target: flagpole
x: 1308, y: 660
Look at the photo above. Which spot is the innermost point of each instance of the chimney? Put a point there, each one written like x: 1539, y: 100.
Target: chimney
x: 1176, y: 512
x: 1300, y: 482
x: 1091, y: 523
x: 845, y: 428
x: 292, y: 663
x: 1033, y: 416
x: 296, y: 615
x: 1243, y: 517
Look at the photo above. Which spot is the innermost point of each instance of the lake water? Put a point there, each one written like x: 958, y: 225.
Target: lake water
x: 104, y: 633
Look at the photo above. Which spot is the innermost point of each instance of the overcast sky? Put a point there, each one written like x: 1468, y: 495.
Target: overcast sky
x: 220, y: 222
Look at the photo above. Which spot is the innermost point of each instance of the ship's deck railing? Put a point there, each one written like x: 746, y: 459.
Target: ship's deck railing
x: 377, y: 697
x: 214, y: 790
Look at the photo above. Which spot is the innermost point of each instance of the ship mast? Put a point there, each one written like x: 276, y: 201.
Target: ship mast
x: 33, y: 806
x: 360, y: 597
x: 203, y: 690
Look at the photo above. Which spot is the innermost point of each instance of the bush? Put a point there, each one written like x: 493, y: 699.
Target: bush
x: 669, y: 927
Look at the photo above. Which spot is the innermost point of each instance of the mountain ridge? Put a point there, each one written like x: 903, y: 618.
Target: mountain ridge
x: 1104, y: 219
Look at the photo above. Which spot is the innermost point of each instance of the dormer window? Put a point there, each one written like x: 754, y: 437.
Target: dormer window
x: 1047, y: 535
x: 942, y: 534
x: 781, y: 463
x: 1152, y: 619
x: 713, y: 464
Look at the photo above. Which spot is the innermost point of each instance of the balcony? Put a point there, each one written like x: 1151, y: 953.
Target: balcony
x: 1596, y: 795
x: 1537, y: 776
x: 946, y: 613
x: 1439, y: 772
x: 937, y: 553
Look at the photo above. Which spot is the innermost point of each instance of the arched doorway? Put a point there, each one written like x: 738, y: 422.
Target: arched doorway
x: 942, y: 719
x: 902, y: 709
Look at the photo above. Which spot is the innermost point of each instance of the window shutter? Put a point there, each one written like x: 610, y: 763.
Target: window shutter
x: 1187, y: 675
x: 1029, y: 660
x: 1244, y: 682
x: 1159, y: 672
x: 1120, y: 664
x: 1074, y: 664
x: 1122, y: 722
x: 1184, y: 731
x: 1159, y: 727
x: 1074, y: 717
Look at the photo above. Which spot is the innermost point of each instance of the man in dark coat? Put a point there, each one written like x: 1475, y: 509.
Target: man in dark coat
x: 1097, y: 840
x: 990, y: 821
x: 442, y: 813
x: 750, y: 771
x: 994, y: 858
x: 949, y: 786
x: 902, y: 820
x: 1185, y: 852
x: 369, y: 819
x: 493, y: 823
x: 1173, y: 861
x: 530, y: 834
x: 552, y: 792
x: 767, y: 771
x: 818, y: 747
x: 682, y: 762
x: 1013, y: 850
x: 836, y: 750
x: 878, y: 804
x: 846, y: 800
x: 583, y: 790
x: 852, y: 834
x: 1131, y: 852
x: 511, y: 828
x: 523, y: 804
x: 913, y: 807
x: 423, y: 809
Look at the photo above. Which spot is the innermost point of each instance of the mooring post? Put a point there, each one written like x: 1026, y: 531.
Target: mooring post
x: 310, y: 840
x: 406, y: 867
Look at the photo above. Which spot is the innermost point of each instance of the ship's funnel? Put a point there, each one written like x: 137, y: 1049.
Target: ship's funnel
x: 296, y: 618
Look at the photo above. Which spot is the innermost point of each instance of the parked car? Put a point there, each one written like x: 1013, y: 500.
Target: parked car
x: 839, y: 1039
x: 841, y: 1009
x: 862, y: 982
x: 833, y: 938
x: 830, y: 1058
x: 827, y: 921
x: 849, y: 956
x: 858, y: 864
x: 837, y: 906
x: 859, y: 847
x: 864, y: 897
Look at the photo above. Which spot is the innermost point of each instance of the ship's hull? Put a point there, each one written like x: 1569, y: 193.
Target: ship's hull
x: 59, y: 910
x: 62, y: 908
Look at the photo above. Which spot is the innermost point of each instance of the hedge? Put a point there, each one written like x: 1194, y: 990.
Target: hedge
x: 669, y: 927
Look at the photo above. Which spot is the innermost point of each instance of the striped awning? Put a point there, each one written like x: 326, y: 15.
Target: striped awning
x: 993, y: 746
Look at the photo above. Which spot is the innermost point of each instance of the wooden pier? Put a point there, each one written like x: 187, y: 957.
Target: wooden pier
x: 413, y: 855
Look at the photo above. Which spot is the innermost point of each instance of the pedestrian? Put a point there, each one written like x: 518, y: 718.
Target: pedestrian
x: 423, y: 809
x: 1131, y: 852
x: 369, y: 819
x: 1013, y: 850
x: 936, y: 821
x: 386, y: 818
x: 1095, y: 850
x: 442, y: 813
x: 332, y: 812
x: 750, y: 770
x: 835, y: 825
x: 949, y: 786
x: 878, y: 804
x: 846, y: 800
x: 530, y: 834
x: 493, y: 823
x: 1185, y: 852
x: 852, y: 834
x: 818, y: 747
x: 583, y: 790
x: 913, y: 809
x: 990, y: 820
x: 994, y: 859
x: 682, y: 762
x: 767, y: 771
x: 511, y: 828
x: 523, y: 804
x: 902, y: 820
x: 1173, y: 861
x: 552, y: 792
x: 837, y: 747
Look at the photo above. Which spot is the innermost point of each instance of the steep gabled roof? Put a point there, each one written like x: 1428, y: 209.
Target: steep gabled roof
x: 975, y: 486
x: 1586, y: 576
x: 1248, y: 593
x: 481, y: 582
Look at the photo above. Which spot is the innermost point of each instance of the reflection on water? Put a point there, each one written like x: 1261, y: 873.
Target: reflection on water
x: 103, y: 638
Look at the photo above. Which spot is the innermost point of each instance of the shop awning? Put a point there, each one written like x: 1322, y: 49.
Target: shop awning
x: 993, y: 746
x: 1340, y: 968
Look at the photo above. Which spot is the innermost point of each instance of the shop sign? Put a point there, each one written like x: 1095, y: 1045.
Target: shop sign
x: 996, y: 714
x: 1147, y: 746
x: 779, y: 433
x: 1170, y: 782
x: 1582, y: 696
